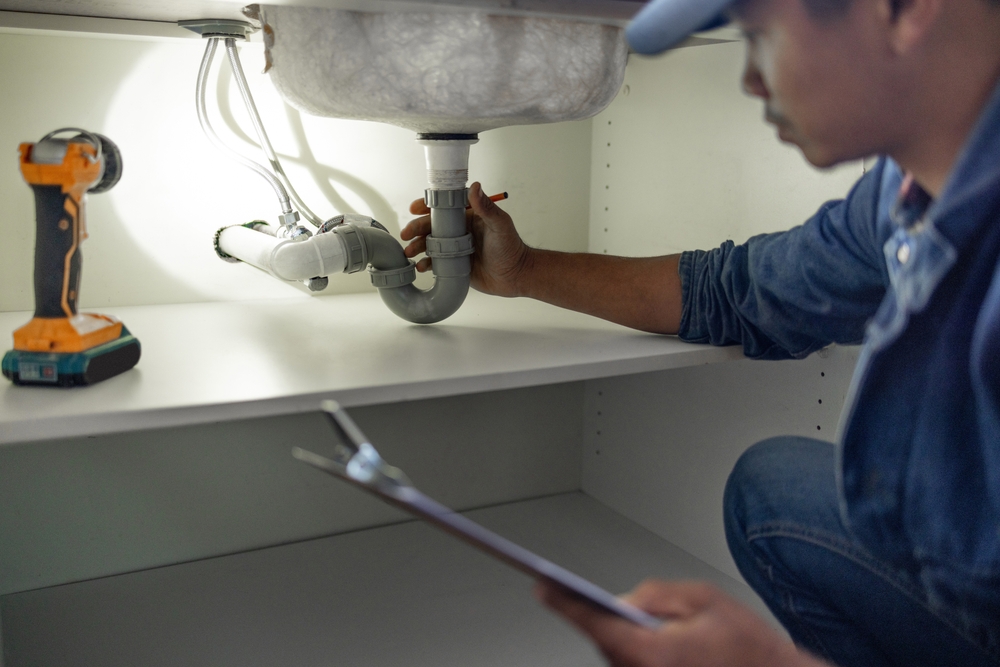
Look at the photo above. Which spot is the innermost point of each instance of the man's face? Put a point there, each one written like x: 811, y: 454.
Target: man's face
x: 825, y: 83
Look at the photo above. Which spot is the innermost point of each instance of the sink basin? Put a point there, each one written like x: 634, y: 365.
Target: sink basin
x: 443, y: 72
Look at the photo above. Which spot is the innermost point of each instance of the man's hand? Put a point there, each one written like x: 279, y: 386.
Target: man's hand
x: 501, y: 260
x: 639, y: 292
x: 703, y: 628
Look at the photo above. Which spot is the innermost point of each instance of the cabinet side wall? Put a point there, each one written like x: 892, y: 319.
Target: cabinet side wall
x: 682, y: 160
x: 659, y: 447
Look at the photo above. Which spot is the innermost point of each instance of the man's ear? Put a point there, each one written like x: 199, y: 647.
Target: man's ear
x: 909, y: 22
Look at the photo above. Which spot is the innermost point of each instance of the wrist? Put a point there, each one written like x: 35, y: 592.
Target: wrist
x: 524, y: 277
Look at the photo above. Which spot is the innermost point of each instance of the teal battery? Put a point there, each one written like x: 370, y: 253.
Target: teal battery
x: 73, y: 369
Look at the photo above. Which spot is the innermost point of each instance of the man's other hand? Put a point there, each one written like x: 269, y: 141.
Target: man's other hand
x: 502, y: 259
x: 703, y: 628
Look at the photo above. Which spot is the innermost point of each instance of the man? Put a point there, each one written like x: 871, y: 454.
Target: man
x: 883, y: 550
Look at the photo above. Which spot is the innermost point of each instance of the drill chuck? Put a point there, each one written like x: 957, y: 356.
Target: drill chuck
x: 112, y: 158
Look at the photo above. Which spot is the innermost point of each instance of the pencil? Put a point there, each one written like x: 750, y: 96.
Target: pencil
x: 496, y: 198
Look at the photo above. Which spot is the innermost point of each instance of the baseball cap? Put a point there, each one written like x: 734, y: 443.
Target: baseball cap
x: 664, y: 23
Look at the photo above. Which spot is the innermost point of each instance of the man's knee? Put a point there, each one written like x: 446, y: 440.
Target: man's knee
x: 771, y: 478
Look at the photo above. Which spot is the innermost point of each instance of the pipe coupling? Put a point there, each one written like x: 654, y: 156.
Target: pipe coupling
x: 448, y: 248
x: 355, y: 247
x: 446, y: 198
x: 394, y: 277
x: 350, y: 219
x: 288, y: 219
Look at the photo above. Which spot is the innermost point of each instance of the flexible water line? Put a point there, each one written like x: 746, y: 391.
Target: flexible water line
x: 206, y: 126
x: 265, y: 143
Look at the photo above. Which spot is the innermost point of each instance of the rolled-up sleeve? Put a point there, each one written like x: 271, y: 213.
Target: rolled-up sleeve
x: 788, y: 294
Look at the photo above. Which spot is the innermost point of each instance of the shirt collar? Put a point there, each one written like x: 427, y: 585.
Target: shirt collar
x: 973, y: 188
x: 911, y: 204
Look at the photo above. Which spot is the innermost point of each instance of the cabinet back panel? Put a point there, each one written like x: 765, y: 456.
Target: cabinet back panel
x: 90, y: 507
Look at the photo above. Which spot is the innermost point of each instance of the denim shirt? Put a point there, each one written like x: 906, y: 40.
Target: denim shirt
x: 918, y: 282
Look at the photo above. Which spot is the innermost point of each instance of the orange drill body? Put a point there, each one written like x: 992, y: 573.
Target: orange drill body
x: 56, y: 326
x: 59, y: 344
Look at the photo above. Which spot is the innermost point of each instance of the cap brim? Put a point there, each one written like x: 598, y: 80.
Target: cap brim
x: 665, y: 23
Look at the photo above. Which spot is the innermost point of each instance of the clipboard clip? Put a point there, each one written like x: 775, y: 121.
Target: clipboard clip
x: 354, y: 457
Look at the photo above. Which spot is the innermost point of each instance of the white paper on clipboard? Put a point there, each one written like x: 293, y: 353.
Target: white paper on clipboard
x: 356, y: 461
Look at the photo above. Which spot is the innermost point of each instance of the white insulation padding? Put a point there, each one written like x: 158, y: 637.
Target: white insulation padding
x: 445, y: 72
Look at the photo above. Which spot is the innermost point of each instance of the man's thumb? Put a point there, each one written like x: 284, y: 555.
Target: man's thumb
x: 480, y: 203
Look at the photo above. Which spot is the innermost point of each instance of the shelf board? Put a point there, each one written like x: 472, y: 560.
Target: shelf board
x: 406, y: 594
x: 220, y: 361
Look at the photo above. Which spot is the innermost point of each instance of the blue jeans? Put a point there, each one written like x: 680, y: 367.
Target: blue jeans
x: 834, y: 598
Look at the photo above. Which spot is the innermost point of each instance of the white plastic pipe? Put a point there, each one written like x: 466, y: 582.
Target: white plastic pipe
x: 286, y: 259
x: 447, y: 162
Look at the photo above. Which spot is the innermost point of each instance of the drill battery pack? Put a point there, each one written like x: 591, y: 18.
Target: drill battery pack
x: 73, y: 369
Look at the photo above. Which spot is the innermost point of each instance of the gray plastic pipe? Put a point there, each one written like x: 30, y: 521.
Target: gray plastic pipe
x: 357, y: 243
x: 451, y: 273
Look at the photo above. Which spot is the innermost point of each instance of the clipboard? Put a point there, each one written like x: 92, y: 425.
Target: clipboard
x: 357, y: 462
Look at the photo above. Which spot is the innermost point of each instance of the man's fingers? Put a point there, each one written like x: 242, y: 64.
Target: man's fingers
x: 416, y: 232
x: 480, y: 203
x: 620, y: 640
x: 415, y: 228
x: 672, y: 599
x: 417, y: 247
x: 419, y: 207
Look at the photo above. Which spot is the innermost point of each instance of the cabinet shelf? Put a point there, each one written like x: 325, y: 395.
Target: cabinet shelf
x: 220, y: 361
x: 405, y: 594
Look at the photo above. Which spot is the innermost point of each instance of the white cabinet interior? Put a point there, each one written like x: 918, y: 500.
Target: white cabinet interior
x: 210, y: 545
x: 158, y: 519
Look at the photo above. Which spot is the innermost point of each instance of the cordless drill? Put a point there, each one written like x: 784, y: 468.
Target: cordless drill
x: 60, y: 346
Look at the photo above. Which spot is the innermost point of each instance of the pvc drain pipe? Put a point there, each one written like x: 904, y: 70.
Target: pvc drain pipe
x: 350, y: 243
x: 449, y: 245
